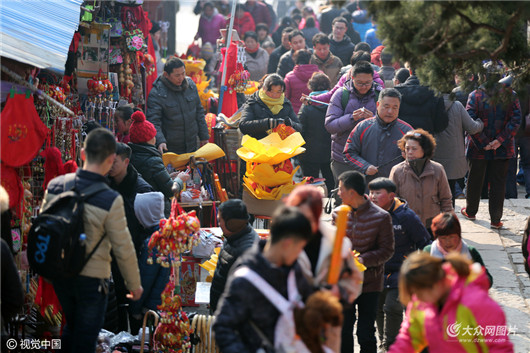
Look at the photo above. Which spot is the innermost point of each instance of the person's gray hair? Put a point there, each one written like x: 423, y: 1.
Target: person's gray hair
x: 389, y: 92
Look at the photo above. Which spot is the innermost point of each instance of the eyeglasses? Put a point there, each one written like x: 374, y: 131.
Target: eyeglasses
x: 362, y: 84
x: 413, y: 133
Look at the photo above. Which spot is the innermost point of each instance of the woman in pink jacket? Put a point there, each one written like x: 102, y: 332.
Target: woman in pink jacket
x: 209, y: 24
x: 296, y: 80
x: 448, y: 308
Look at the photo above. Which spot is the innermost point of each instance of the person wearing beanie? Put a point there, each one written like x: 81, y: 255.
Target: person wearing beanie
x: 175, y: 109
x: 147, y: 160
x: 149, y: 209
x: 240, y: 236
x: 448, y: 238
x: 371, y: 233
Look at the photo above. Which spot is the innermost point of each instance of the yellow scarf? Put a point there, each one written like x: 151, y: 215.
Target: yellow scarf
x: 275, y: 105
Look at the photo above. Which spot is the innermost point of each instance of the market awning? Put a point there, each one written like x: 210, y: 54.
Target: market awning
x: 38, y: 33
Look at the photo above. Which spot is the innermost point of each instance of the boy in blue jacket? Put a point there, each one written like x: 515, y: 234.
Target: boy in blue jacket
x: 409, y: 235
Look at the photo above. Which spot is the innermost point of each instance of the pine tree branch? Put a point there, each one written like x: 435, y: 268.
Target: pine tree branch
x: 475, y: 25
x: 512, y: 21
x: 510, y: 25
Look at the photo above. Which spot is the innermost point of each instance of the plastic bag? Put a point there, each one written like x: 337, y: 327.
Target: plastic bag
x: 206, y: 246
x: 122, y: 337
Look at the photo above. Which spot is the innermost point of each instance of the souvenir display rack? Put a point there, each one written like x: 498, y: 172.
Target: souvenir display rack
x: 104, y: 69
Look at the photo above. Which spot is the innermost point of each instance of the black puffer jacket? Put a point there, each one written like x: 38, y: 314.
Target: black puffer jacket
x: 370, y: 231
x: 242, y: 303
x: 233, y: 248
x: 131, y: 185
x: 421, y: 108
x: 148, y: 162
x: 317, y: 138
x: 256, y: 117
x: 343, y: 49
x: 177, y: 116
x: 286, y: 64
x: 274, y: 59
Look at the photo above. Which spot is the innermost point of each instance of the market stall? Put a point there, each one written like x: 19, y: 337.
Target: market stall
x: 104, y: 59
x: 66, y: 67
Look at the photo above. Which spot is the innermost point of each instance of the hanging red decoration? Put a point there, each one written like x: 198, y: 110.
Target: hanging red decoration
x: 22, y: 131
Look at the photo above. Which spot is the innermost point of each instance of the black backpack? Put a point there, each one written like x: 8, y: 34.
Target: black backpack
x: 56, y: 246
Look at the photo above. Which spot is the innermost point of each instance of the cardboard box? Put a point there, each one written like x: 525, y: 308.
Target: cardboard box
x: 260, y: 207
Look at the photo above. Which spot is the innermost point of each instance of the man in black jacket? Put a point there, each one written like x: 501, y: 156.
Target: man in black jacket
x: 421, y: 108
x: 340, y: 44
x: 126, y: 181
x: 243, y: 309
x: 286, y: 63
x: 277, y: 53
x: 370, y: 231
x: 240, y: 236
x: 175, y: 109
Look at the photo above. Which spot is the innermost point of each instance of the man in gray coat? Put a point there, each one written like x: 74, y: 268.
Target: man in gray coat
x: 175, y: 109
x: 450, y: 145
x: 371, y: 147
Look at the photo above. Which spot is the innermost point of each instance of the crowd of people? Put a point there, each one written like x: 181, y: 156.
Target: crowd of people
x: 399, y: 155
x: 388, y: 147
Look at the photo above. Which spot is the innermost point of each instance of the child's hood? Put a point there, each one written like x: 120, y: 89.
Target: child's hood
x: 149, y: 208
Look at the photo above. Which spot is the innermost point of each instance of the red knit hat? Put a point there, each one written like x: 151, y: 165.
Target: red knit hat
x: 141, y: 130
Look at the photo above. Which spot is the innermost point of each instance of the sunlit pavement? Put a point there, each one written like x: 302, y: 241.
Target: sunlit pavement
x: 502, y: 254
